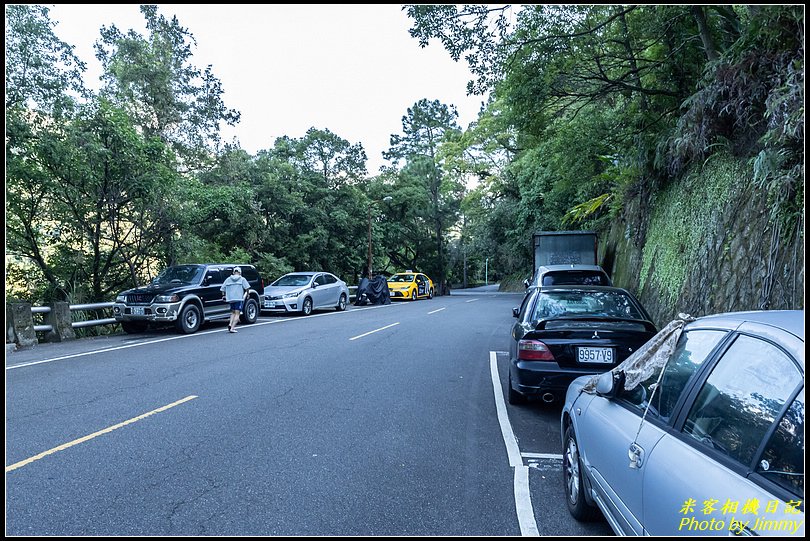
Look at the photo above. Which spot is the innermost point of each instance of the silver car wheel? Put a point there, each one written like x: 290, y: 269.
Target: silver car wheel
x: 575, y: 496
x: 571, y: 466
x: 306, y: 308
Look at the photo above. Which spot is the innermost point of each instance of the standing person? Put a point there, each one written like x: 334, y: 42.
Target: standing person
x: 233, y: 291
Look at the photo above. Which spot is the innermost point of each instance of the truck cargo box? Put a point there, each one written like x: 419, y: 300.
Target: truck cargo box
x: 564, y: 248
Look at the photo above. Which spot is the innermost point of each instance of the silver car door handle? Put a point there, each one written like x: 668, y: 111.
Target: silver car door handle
x: 636, y: 456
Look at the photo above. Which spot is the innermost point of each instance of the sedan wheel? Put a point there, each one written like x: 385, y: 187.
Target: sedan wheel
x: 578, y: 506
x: 341, y: 303
x: 413, y: 295
x: 306, y: 308
x: 515, y: 398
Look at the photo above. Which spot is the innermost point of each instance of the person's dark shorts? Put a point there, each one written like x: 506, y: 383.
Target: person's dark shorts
x: 236, y: 305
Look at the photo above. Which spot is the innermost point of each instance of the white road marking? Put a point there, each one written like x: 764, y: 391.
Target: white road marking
x: 523, y: 503
x: 512, y: 450
x: 523, y: 498
x: 180, y: 337
x: 471, y: 300
x: 542, y: 455
x: 439, y: 310
x: 375, y: 330
x: 83, y: 439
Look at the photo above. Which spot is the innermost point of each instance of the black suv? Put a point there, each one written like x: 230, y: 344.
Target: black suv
x: 188, y: 296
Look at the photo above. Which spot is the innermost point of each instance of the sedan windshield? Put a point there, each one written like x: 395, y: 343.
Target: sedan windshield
x: 181, y: 274
x: 585, y: 303
x: 401, y: 278
x: 295, y: 280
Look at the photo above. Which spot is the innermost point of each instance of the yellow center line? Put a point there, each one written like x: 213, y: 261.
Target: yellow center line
x: 95, y: 434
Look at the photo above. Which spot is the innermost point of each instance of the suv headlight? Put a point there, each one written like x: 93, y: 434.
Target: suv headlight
x: 121, y: 298
x: 166, y: 298
x: 290, y: 295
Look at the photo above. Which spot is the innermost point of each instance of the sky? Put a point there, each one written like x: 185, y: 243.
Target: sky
x: 351, y: 69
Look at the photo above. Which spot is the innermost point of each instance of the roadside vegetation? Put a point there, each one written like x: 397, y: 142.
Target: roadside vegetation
x: 591, y: 110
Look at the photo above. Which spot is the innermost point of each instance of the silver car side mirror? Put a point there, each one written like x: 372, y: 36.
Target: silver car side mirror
x: 604, y: 384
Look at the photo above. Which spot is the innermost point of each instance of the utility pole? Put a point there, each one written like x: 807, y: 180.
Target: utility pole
x: 370, y: 205
x: 486, y: 272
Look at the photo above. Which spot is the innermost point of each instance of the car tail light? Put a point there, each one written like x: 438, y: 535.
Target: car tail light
x: 533, y: 350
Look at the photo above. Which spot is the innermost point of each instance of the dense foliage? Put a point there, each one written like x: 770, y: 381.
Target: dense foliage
x: 594, y: 105
x: 589, y: 107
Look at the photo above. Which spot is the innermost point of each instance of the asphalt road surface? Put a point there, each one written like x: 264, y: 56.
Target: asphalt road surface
x: 377, y: 421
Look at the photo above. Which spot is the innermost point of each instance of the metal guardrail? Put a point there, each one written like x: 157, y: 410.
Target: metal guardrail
x: 99, y: 306
x: 74, y: 308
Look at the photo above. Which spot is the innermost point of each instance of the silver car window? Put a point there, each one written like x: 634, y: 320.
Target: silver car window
x: 295, y: 280
x: 742, y: 397
x: 783, y: 459
x: 693, y: 348
x: 590, y: 278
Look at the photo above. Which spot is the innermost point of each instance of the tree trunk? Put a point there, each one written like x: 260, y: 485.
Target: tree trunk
x: 705, y: 35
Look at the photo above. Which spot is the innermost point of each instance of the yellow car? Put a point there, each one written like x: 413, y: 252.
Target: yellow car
x: 410, y: 285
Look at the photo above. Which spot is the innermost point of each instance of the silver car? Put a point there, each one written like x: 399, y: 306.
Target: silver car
x: 555, y: 275
x: 701, y: 432
x: 304, y: 292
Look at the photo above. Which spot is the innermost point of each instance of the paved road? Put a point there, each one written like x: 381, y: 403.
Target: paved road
x: 384, y: 420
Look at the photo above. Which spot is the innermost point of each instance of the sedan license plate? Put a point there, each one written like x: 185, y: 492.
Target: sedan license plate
x: 137, y: 310
x: 595, y: 355
x: 269, y: 304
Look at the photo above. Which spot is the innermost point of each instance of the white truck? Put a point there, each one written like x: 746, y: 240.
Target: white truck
x: 565, y: 257
x: 564, y: 248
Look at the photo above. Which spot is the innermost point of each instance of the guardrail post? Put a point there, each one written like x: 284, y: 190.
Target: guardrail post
x: 22, y: 324
x: 60, y: 320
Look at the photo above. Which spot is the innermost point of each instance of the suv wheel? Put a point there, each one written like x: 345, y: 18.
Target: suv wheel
x: 578, y: 506
x: 341, y: 303
x: 306, y: 308
x: 250, y: 312
x: 189, y: 320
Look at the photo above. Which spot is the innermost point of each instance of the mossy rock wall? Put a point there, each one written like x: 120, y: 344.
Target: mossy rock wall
x: 706, y: 244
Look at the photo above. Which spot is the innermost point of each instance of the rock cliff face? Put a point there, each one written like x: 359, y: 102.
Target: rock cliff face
x: 708, y: 243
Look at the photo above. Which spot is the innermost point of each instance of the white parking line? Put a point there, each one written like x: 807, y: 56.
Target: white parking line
x: 372, y: 332
x: 434, y: 311
x: 523, y: 498
x: 523, y: 503
x: 541, y: 455
x: 471, y: 300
